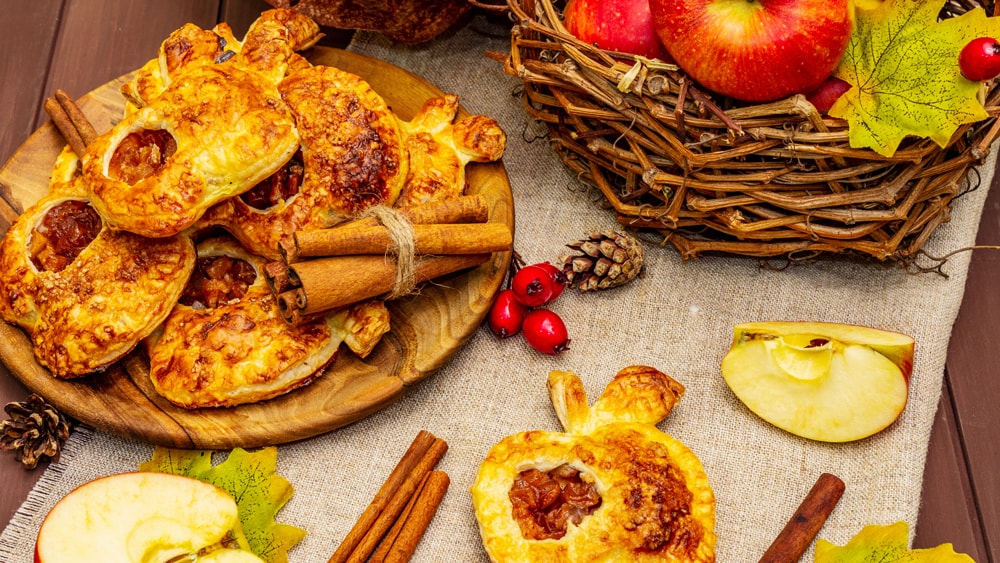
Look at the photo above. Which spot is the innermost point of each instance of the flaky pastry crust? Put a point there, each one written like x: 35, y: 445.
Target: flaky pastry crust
x: 243, y: 351
x: 439, y: 149
x: 93, y: 311
x: 352, y: 154
x: 656, y: 500
x: 269, y: 47
x: 239, y: 133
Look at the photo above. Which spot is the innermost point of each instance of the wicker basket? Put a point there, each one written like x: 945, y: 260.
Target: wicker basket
x: 716, y: 176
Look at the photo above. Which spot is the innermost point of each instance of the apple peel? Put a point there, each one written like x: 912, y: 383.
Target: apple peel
x: 828, y: 382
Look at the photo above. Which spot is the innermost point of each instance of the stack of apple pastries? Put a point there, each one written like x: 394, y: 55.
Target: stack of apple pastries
x: 158, y: 233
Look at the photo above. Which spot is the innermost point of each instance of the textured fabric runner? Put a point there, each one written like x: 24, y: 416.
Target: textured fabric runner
x: 678, y: 318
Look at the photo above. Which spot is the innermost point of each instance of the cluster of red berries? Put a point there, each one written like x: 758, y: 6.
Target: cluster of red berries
x: 520, y: 308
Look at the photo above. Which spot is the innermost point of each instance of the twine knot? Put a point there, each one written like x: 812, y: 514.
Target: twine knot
x: 403, y: 247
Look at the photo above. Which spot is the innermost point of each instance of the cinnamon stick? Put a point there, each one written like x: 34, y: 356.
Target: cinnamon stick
x: 393, y: 534
x: 388, y: 515
x: 418, y: 450
x: 330, y: 283
x: 457, y: 238
x: 402, y: 539
x: 70, y: 121
x: 463, y: 209
x: 802, y: 528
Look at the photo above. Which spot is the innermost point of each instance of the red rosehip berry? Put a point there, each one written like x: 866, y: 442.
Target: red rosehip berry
x: 559, y: 278
x: 980, y: 59
x: 545, y: 331
x: 506, y: 314
x: 534, y: 286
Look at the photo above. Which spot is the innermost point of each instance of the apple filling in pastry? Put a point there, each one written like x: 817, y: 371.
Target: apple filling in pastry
x: 141, y: 154
x: 546, y: 502
x: 63, y: 232
x: 612, y: 487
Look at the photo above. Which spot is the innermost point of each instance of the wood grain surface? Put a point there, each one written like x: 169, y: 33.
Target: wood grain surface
x: 427, y: 329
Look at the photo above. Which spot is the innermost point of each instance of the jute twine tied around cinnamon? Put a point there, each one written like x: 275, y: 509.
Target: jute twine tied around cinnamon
x: 402, y: 248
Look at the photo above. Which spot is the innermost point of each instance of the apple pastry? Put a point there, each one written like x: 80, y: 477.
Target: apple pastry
x: 225, y: 344
x: 269, y: 46
x: 84, y: 293
x: 439, y: 148
x: 612, y: 487
x: 351, y: 156
x: 169, y: 160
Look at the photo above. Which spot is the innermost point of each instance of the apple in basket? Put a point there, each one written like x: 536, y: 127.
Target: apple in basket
x: 142, y: 516
x: 625, y: 26
x: 755, y: 50
x: 823, y: 381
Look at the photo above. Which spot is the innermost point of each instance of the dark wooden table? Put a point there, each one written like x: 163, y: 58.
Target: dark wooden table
x: 77, y: 45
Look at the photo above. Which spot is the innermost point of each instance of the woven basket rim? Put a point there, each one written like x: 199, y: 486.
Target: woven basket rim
x: 713, y: 175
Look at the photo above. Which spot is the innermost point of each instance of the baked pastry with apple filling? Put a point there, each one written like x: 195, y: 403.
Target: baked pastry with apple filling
x: 612, y: 487
x: 356, y: 153
x: 169, y: 160
x: 225, y: 344
x: 270, y: 46
x: 84, y: 293
x: 351, y: 157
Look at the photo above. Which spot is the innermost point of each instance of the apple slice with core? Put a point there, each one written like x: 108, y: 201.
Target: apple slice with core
x: 823, y: 381
x: 142, y: 517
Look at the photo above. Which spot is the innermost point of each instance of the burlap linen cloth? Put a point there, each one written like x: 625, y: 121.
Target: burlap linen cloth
x: 677, y: 318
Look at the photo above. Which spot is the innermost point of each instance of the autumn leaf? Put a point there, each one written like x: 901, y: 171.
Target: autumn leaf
x: 252, y: 480
x: 902, y: 64
x: 885, y: 544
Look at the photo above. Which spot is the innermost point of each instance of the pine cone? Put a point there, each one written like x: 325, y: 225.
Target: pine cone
x: 35, y: 430
x: 609, y: 259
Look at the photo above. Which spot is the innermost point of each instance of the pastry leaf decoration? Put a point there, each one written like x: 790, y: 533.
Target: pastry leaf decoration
x: 252, y: 480
x: 885, y: 544
x: 902, y: 64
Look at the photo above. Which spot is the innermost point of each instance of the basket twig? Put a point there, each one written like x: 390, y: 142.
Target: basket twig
x: 713, y: 175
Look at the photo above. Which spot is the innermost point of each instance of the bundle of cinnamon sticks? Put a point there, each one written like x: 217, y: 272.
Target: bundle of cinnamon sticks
x: 365, y: 258
x: 393, y: 523
x: 70, y: 121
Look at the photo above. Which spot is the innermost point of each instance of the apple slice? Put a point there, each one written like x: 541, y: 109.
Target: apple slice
x: 823, y: 381
x: 142, y: 516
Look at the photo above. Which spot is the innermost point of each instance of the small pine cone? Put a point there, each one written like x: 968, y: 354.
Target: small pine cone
x: 35, y: 430
x: 608, y: 259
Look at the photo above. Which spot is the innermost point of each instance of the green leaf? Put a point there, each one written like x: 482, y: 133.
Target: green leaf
x: 190, y: 463
x: 252, y: 480
x: 885, y: 544
x: 903, y: 67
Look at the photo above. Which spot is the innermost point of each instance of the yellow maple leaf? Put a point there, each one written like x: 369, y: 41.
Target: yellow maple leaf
x: 251, y: 478
x: 902, y: 64
x: 885, y: 544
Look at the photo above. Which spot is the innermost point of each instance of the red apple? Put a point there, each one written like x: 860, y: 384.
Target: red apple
x: 828, y: 92
x: 625, y: 26
x: 755, y: 50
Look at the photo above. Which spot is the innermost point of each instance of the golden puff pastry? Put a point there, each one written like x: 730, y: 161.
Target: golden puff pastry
x: 85, y: 294
x: 439, y: 149
x: 613, y: 487
x: 351, y: 158
x: 215, y: 132
x: 269, y: 47
x: 225, y: 343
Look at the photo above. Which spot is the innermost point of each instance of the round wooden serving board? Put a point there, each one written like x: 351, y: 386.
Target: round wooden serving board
x: 427, y: 329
